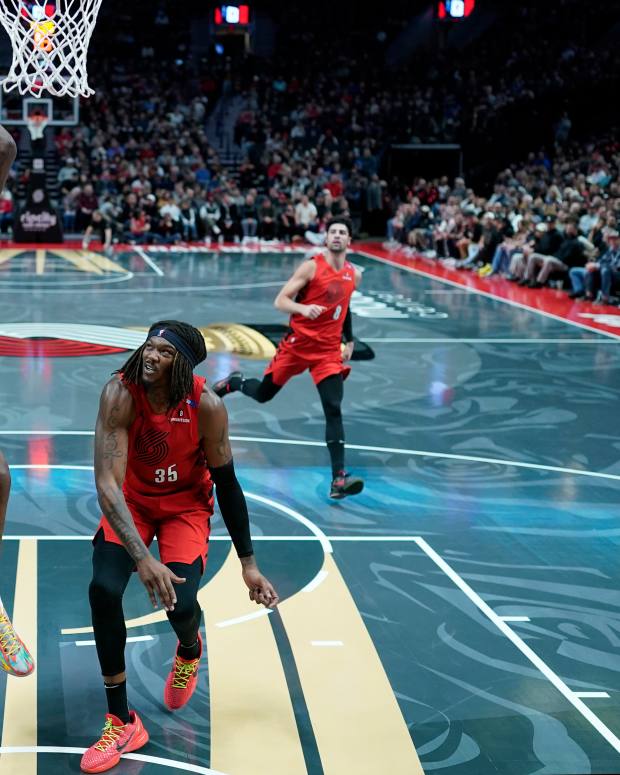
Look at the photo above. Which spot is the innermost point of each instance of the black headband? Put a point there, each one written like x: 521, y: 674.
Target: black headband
x: 180, y: 344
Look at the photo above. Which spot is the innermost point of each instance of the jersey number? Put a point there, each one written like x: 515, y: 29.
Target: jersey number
x: 161, y: 475
x: 337, y: 312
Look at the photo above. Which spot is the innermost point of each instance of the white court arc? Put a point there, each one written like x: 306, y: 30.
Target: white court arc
x: 177, y: 765
x: 358, y: 447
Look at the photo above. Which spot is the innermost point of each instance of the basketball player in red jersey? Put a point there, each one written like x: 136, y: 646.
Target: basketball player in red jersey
x: 14, y: 656
x: 317, y: 298
x: 161, y: 442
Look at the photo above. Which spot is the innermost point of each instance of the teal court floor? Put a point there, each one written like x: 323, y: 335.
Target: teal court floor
x: 461, y: 616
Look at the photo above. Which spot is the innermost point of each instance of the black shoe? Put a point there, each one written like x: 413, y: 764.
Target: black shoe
x: 535, y: 284
x: 343, y: 484
x: 576, y: 295
x: 523, y: 282
x: 229, y: 384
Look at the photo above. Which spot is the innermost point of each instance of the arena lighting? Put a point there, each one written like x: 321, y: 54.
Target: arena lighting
x: 455, y: 9
x: 232, y: 14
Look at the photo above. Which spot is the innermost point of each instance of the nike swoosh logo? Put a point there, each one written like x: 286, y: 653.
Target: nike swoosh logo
x: 120, y: 748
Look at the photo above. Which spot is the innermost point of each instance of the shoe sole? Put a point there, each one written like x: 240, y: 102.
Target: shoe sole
x: 135, y: 743
x: 353, y: 489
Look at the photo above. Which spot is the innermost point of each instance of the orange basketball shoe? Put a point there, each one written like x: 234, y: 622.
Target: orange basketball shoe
x: 182, y: 680
x: 116, y: 739
x: 14, y: 656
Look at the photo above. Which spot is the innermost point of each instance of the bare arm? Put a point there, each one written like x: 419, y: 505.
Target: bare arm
x: 5, y: 489
x: 285, y: 300
x: 8, y: 152
x: 111, y: 446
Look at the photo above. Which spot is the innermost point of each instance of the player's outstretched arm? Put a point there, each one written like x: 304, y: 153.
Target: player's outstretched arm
x: 213, y: 420
x: 5, y: 489
x: 8, y: 152
x: 111, y: 447
x: 285, y: 300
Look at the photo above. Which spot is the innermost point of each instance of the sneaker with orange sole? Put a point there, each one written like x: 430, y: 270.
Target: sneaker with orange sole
x: 14, y: 656
x: 116, y: 739
x: 182, y: 680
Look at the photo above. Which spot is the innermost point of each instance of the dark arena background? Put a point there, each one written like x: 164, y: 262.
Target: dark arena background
x: 461, y: 615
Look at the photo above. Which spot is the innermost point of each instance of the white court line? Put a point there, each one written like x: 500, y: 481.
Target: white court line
x: 549, y: 674
x: 148, y: 260
x: 593, y: 695
x: 295, y: 515
x: 316, y: 581
x: 178, y: 765
x: 133, y: 639
x: 515, y: 618
x: 388, y: 340
x: 488, y: 295
x: 246, y: 618
x: 360, y: 447
x: 326, y: 643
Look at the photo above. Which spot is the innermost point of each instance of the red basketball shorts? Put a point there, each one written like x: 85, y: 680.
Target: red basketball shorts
x: 291, y: 359
x: 181, y: 538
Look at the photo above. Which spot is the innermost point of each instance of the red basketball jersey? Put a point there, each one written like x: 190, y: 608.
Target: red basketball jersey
x: 331, y: 289
x: 166, y: 468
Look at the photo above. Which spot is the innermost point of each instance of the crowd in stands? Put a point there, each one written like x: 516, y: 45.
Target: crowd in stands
x: 313, y: 140
x: 547, y: 222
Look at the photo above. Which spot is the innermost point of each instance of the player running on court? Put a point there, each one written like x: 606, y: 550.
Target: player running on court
x: 14, y: 656
x: 317, y: 298
x: 161, y: 442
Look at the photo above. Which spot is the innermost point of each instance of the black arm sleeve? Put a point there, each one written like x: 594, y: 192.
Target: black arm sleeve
x: 234, y: 509
x: 347, y: 327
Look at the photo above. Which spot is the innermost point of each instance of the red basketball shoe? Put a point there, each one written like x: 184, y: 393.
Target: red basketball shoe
x: 116, y: 739
x: 182, y: 680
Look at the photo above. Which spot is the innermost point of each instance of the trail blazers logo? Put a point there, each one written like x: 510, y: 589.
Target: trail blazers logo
x: 151, y: 447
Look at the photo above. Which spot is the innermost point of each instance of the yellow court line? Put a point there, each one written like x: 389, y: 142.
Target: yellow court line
x: 7, y: 255
x: 103, y: 262
x: 357, y: 722
x: 20, y: 704
x: 79, y: 259
x: 253, y: 729
x: 39, y: 261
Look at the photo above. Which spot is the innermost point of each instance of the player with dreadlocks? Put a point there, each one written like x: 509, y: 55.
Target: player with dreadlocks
x: 161, y: 443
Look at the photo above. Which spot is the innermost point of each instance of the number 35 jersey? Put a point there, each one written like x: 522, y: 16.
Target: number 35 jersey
x: 331, y: 289
x: 166, y: 468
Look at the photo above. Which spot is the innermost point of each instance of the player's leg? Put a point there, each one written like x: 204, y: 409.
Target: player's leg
x: 123, y: 731
x: 260, y: 390
x: 183, y: 542
x: 185, y: 620
x: 331, y: 392
x: 14, y: 656
x: 284, y: 365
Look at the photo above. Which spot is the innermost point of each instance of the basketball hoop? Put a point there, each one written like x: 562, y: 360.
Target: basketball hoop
x: 50, y: 44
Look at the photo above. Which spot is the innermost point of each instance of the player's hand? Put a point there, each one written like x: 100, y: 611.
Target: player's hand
x: 159, y: 581
x: 347, y: 351
x: 261, y: 589
x: 311, y: 311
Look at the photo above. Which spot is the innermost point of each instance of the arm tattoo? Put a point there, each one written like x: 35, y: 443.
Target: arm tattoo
x: 118, y: 515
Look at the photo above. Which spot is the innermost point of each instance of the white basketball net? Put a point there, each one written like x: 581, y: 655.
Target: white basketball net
x: 50, y: 43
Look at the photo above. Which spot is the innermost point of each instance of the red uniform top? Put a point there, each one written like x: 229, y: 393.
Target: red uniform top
x: 167, y: 470
x: 331, y: 289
